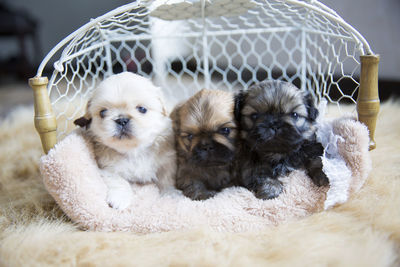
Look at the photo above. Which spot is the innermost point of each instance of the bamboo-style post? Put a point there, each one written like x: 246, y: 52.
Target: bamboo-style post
x: 45, y: 121
x: 368, y: 96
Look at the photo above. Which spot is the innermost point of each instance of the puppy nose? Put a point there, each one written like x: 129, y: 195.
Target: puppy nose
x: 206, y: 147
x: 273, y: 127
x: 272, y: 122
x: 122, y: 121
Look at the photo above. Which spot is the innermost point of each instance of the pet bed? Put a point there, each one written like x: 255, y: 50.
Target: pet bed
x: 215, y: 44
x: 71, y: 175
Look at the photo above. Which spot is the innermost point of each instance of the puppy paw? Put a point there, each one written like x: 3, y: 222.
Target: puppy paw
x: 319, y: 178
x: 206, y: 195
x: 270, y: 189
x: 119, y: 199
x: 200, y: 194
x: 316, y: 173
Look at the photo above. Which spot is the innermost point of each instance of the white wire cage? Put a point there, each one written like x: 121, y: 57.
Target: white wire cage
x: 184, y: 46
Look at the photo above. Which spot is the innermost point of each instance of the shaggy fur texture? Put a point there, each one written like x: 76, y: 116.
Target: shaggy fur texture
x: 362, y: 232
x: 131, y: 135
x: 206, y: 137
x: 278, y: 135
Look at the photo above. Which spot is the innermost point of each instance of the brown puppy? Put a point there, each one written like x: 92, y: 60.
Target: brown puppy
x: 206, y: 136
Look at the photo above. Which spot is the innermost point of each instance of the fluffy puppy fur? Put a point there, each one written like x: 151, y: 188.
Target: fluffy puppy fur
x: 132, y: 135
x: 206, y: 135
x: 277, y: 131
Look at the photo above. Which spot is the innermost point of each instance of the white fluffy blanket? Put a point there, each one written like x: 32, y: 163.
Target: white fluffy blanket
x: 72, y: 177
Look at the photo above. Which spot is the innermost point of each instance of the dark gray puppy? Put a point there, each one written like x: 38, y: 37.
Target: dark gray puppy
x: 277, y: 131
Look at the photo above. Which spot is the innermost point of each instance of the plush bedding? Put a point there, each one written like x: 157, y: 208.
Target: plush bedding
x: 71, y: 176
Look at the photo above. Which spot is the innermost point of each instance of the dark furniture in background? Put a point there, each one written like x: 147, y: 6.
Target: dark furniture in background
x: 20, y: 26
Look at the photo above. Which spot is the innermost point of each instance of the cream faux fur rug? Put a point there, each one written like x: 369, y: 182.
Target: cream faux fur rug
x: 365, y: 231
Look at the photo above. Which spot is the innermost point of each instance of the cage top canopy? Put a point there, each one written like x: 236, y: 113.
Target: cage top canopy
x: 186, y: 45
x: 130, y: 22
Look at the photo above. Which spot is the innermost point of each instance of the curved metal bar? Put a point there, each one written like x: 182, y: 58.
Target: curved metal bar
x: 83, y: 29
x: 333, y: 16
x: 314, y: 5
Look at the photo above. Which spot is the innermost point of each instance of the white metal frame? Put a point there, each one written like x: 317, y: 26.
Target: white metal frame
x: 316, y: 6
x: 96, y: 38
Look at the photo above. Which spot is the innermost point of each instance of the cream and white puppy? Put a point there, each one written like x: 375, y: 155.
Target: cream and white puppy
x: 132, y: 136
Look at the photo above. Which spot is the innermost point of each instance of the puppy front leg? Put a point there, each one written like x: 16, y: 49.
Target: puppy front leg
x: 267, y: 188
x: 314, y: 170
x: 313, y: 163
x: 261, y: 184
x: 119, y: 194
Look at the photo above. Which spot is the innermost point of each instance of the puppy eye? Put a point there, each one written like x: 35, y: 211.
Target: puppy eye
x: 103, y: 113
x: 225, y: 131
x: 295, y: 115
x: 189, y: 137
x: 254, y: 116
x: 141, y: 109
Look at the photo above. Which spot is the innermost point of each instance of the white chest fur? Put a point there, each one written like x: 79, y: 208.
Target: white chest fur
x: 139, y: 166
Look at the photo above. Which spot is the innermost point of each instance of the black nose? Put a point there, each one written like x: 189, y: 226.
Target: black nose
x: 206, y: 147
x: 272, y: 122
x: 122, y: 121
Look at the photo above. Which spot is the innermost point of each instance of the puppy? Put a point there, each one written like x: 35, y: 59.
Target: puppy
x: 206, y: 136
x: 277, y: 131
x: 131, y: 134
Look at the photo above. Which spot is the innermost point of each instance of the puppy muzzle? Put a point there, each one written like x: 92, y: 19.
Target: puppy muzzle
x: 123, y: 128
x: 275, y: 137
x: 211, y: 153
x: 204, y: 150
x: 267, y: 129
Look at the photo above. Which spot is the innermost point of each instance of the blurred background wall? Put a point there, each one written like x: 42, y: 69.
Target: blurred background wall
x: 377, y: 20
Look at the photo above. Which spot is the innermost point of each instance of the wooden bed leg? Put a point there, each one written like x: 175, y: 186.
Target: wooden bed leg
x: 368, y: 96
x: 45, y: 121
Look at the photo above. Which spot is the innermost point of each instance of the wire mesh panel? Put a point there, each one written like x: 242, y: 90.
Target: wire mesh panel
x: 184, y: 46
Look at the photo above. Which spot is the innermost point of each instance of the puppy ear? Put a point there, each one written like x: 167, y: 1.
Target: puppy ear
x: 239, y: 103
x: 311, y: 106
x: 85, y: 120
x: 175, y: 117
